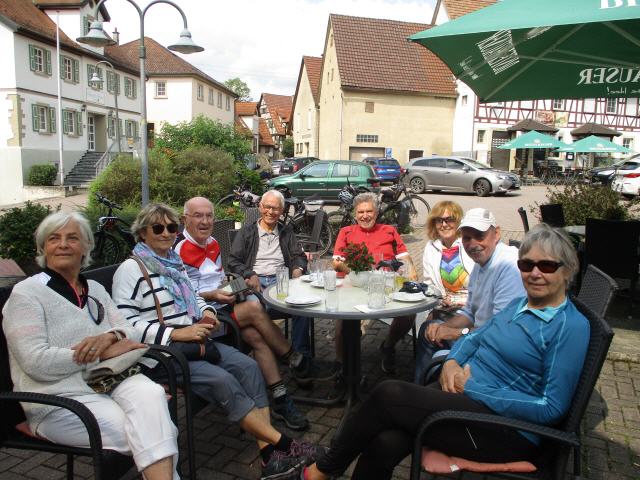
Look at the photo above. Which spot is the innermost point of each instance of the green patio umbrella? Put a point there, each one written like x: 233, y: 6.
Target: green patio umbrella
x: 540, y: 49
x: 533, y: 139
x: 593, y: 144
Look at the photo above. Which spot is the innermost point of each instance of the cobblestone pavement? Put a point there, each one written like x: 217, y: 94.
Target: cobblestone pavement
x: 611, y: 426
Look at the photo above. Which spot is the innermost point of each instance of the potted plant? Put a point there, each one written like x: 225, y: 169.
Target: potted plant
x: 359, y: 260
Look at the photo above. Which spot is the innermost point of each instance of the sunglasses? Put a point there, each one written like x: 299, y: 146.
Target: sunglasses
x: 545, y: 266
x: 158, y: 228
x: 441, y: 220
x: 98, y: 307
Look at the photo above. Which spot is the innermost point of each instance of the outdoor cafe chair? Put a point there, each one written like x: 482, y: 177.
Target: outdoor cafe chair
x: 558, y: 441
x: 552, y: 214
x: 613, y: 247
x: 16, y: 434
x: 523, y: 216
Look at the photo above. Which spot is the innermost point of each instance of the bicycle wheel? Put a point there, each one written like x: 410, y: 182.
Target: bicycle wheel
x: 227, y: 201
x: 419, y: 211
x: 303, y: 227
x: 109, y: 250
x: 337, y: 220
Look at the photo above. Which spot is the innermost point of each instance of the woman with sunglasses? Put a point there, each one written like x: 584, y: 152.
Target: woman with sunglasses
x: 57, y: 323
x: 524, y: 363
x: 446, y: 267
x: 235, y: 382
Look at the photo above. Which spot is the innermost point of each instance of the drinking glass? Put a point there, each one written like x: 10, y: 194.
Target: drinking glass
x: 401, y: 276
x: 389, y: 283
x: 330, y: 291
x: 282, y: 282
x: 376, y: 291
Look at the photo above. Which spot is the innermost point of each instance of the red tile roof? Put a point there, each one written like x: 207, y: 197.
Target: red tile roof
x: 314, y: 68
x: 265, y: 136
x: 458, y: 8
x: 246, y: 108
x: 160, y: 62
x: 279, y: 107
x: 373, y: 54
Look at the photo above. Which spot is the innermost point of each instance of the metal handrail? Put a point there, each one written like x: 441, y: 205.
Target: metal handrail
x: 105, y: 159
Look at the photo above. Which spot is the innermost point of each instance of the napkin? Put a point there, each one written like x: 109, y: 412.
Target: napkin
x: 364, y: 309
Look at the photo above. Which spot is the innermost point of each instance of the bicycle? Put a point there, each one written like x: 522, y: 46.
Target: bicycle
x: 303, y: 218
x: 113, y: 239
x: 410, y: 211
x: 242, y: 197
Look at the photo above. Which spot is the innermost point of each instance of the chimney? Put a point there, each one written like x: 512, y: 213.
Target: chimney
x: 116, y: 36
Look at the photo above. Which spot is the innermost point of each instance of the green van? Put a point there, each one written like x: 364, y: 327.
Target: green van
x: 326, y: 178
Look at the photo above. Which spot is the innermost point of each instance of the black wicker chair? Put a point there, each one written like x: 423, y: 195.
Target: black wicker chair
x: 220, y: 233
x: 559, y: 441
x: 597, y: 290
x: 251, y: 215
x: 552, y: 214
x: 15, y: 433
x: 612, y: 246
x: 525, y: 221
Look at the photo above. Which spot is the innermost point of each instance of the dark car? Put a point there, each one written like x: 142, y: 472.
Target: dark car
x: 325, y: 178
x: 606, y: 173
x: 385, y: 168
x: 292, y: 165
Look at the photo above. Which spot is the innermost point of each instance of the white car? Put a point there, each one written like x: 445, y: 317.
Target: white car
x: 275, y: 167
x: 627, y: 178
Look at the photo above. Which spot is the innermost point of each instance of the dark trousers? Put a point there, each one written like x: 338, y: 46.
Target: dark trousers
x: 383, y: 430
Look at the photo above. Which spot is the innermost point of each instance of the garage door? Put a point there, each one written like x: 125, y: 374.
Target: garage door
x: 360, y: 153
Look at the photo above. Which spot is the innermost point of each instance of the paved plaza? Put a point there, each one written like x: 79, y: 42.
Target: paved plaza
x: 611, y: 426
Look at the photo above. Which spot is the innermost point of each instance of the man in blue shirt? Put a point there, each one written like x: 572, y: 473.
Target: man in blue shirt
x: 494, y: 283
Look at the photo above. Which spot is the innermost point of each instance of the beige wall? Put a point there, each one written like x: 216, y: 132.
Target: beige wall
x: 305, y: 122
x: 402, y: 122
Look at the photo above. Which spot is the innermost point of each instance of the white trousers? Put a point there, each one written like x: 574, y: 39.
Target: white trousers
x: 133, y: 418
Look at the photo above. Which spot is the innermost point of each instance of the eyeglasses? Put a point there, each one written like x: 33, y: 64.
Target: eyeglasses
x: 545, y: 266
x: 158, y: 228
x: 200, y: 216
x: 99, y: 308
x: 441, y: 220
x: 270, y: 207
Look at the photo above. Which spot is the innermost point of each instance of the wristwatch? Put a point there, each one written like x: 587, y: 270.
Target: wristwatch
x: 464, y: 331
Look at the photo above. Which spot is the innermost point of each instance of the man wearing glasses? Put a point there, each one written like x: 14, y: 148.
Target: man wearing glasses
x: 493, y: 283
x: 257, y: 251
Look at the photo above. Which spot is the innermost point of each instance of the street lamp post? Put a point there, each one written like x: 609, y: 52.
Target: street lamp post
x: 95, y: 78
x: 98, y: 38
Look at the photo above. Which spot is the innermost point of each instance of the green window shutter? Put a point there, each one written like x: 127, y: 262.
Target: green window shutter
x: 117, y: 78
x: 76, y: 71
x: 79, y: 124
x: 35, y: 118
x: 32, y: 58
x: 47, y: 55
x: 135, y: 130
x: 127, y: 87
x: 52, y: 120
x: 61, y: 66
x: 134, y: 90
x: 89, y: 73
x: 100, y: 85
x: 65, y: 122
x: 121, y: 127
x: 109, y: 82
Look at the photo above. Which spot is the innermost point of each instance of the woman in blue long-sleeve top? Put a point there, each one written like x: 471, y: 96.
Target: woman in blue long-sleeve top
x: 524, y: 363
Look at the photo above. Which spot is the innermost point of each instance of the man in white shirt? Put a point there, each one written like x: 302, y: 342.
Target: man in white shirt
x: 494, y: 282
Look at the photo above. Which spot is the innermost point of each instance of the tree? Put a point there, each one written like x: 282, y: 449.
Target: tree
x: 287, y: 147
x: 240, y: 88
x: 203, y: 131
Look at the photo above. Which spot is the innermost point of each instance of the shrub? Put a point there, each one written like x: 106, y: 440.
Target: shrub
x: 203, y: 131
x: 43, y: 174
x: 17, y: 227
x: 173, y: 177
x: 231, y: 212
x: 581, y: 201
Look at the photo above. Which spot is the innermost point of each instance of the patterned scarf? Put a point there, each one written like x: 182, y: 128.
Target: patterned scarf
x: 173, y: 277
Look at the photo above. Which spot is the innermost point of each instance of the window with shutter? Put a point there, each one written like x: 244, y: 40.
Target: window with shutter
x: 35, y: 118
x: 78, y: 118
x: 47, y: 55
x: 219, y: 100
x: 39, y: 60
x: 76, y: 71
x: 52, y: 120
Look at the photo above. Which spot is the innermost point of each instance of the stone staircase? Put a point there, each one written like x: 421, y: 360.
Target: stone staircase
x: 84, y: 171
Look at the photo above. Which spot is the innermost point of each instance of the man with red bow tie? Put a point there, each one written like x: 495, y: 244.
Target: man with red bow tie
x: 200, y: 253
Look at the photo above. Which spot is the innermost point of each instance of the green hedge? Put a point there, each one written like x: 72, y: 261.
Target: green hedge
x: 44, y: 174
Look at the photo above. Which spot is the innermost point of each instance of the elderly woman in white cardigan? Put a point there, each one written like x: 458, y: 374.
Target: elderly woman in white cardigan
x: 57, y: 323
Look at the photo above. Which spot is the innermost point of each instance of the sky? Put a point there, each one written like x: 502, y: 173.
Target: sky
x: 261, y: 42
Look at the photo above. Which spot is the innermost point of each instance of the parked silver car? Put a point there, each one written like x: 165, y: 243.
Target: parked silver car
x: 458, y: 174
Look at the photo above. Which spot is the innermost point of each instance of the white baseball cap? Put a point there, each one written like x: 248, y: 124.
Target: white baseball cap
x: 479, y: 218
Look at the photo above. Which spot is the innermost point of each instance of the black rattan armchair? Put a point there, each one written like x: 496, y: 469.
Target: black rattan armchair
x: 559, y: 441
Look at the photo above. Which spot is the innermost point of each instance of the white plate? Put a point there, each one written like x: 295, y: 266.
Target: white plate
x: 308, y: 278
x: 321, y: 285
x: 303, y: 300
x: 408, y: 297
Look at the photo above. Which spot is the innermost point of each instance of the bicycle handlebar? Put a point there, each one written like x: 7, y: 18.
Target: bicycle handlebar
x: 108, y: 203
